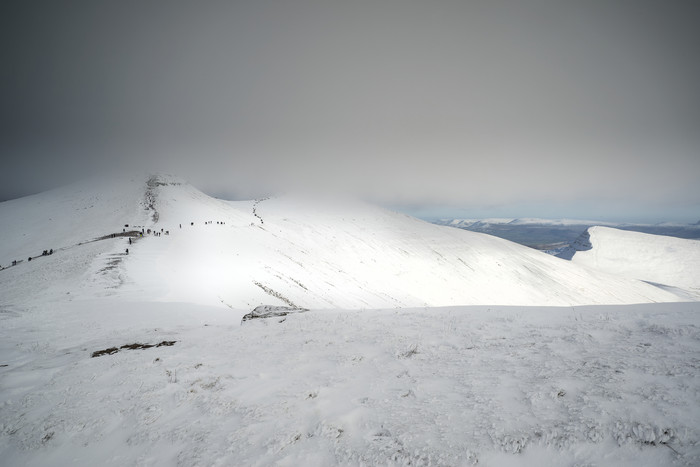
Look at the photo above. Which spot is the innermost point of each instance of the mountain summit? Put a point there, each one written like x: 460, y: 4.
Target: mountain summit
x: 289, y: 251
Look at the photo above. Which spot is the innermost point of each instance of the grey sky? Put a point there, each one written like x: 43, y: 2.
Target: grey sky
x: 562, y: 108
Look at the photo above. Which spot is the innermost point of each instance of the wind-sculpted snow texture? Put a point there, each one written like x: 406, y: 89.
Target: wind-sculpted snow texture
x: 605, y: 385
x: 178, y: 379
x: 669, y: 262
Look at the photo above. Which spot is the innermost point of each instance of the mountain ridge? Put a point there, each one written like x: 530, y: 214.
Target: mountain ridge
x: 661, y: 260
x: 289, y: 250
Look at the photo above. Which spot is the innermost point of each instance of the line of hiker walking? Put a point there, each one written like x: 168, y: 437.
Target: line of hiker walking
x: 132, y: 235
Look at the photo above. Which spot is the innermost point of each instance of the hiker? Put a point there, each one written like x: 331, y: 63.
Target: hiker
x: 51, y: 251
x: 127, y: 251
x: 129, y: 240
x: 180, y: 225
x: 29, y: 259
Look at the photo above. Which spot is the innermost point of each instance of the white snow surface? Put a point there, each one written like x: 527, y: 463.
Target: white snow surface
x: 290, y: 251
x: 667, y: 261
x: 396, y: 381
x: 597, y: 385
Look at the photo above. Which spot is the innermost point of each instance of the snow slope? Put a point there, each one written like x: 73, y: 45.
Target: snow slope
x: 667, y: 261
x: 288, y: 251
x: 462, y: 385
x: 487, y: 386
x: 64, y: 217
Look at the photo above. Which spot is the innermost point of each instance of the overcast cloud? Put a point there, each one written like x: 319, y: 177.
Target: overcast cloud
x: 551, y: 107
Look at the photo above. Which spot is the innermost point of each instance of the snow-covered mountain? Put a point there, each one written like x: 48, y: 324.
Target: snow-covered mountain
x: 553, y: 235
x: 666, y: 261
x: 287, y: 251
x: 112, y: 359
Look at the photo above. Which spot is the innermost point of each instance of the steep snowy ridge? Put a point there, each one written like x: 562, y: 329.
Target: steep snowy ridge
x: 293, y: 251
x: 667, y: 261
x: 70, y: 215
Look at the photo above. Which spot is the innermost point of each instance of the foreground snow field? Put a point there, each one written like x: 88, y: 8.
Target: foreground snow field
x: 600, y: 385
x: 109, y: 358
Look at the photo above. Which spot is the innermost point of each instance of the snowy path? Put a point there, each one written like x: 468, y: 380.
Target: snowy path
x: 499, y: 386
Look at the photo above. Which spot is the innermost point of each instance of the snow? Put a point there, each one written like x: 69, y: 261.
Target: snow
x: 292, y: 251
x: 600, y: 385
x: 405, y: 356
x: 667, y: 261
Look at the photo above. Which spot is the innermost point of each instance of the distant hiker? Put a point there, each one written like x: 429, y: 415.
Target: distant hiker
x: 51, y: 251
x: 191, y: 223
x: 142, y: 231
x: 127, y: 251
x: 29, y: 259
x: 180, y: 225
x: 161, y: 230
x: 123, y: 230
x: 129, y: 240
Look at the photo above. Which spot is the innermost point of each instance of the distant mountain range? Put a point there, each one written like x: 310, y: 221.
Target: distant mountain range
x: 552, y: 235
